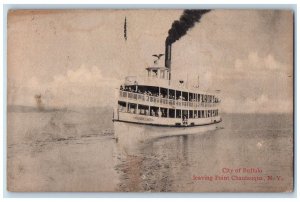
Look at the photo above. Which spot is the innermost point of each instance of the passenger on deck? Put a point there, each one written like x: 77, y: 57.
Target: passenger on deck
x: 152, y: 112
x: 184, y: 119
x: 159, y: 113
x: 146, y: 97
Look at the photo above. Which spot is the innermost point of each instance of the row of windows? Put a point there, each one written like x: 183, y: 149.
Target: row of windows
x: 165, y: 112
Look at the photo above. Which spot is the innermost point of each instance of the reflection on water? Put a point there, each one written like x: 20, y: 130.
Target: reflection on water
x: 149, y: 168
x: 171, y: 163
x: 72, y: 151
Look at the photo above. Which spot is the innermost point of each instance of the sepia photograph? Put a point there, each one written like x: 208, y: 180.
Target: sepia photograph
x: 150, y: 100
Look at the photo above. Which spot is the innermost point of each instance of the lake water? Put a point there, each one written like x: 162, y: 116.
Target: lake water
x: 76, y: 151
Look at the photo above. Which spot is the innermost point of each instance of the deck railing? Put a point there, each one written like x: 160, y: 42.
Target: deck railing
x: 161, y: 100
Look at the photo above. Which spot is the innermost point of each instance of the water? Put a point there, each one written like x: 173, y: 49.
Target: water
x: 75, y: 151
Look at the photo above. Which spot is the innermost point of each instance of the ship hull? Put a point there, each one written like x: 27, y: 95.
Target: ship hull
x: 132, y: 133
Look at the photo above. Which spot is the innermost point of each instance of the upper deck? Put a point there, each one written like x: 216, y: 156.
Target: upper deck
x: 157, y: 90
x: 159, y: 77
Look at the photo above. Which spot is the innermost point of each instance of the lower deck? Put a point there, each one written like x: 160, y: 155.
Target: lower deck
x: 164, y: 121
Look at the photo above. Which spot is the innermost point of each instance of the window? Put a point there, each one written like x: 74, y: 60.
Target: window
x: 131, y: 108
x: 154, y: 73
x: 171, y: 94
x: 143, y: 109
x: 178, y: 113
x: 171, y: 113
x: 122, y: 106
x: 153, y: 111
x: 184, y: 113
x: 164, y: 112
x: 195, y: 114
x: 164, y: 93
x: 184, y: 96
x: 191, y: 114
x: 178, y: 95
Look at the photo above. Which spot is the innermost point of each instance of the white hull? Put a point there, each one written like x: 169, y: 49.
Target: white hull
x: 132, y: 133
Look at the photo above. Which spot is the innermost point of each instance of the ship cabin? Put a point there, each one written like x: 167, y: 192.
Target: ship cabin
x: 158, y: 100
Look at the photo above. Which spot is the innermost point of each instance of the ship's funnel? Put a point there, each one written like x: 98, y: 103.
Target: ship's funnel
x: 168, y: 53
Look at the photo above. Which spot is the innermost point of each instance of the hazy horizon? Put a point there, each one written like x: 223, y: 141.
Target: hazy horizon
x: 74, y: 108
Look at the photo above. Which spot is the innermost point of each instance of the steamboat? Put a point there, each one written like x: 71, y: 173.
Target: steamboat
x: 156, y: 105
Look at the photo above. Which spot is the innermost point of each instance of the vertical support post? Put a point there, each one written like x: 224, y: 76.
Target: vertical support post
x: 159, y: 97
x: 188, y: 104
x: 175, y: 101
x: 168, y: 95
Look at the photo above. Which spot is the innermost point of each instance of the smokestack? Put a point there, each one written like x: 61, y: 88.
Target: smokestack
x: 168, y: 53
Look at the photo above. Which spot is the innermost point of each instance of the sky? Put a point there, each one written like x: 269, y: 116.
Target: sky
x: 78, y: 58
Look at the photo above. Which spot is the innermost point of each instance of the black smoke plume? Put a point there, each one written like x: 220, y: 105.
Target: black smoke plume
x: 187, y: 21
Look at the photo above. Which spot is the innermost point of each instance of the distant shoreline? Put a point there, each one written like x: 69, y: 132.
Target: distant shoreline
x: 25, y: 109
